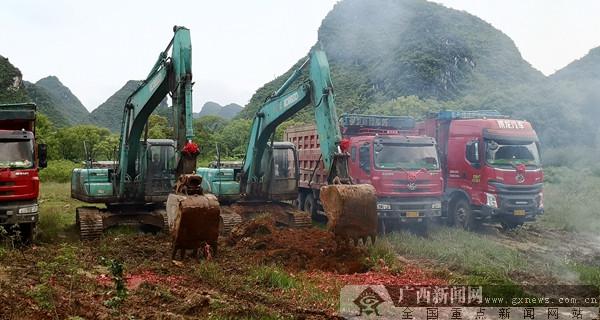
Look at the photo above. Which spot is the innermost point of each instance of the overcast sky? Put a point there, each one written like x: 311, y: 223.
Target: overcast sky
x: 95, y: 47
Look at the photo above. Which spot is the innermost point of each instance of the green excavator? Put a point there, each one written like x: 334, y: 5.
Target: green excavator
x: 135, y: 189
x: 268, y: 178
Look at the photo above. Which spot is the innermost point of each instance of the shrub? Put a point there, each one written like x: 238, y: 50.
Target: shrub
x: 58, y: 171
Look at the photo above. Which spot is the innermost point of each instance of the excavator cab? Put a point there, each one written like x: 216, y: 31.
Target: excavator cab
x: 160, y: 169
x: 284, y: 172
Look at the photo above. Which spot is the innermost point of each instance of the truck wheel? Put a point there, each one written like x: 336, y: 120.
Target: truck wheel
x: 299, y: 202
x: 310, y: 206
x: 463, y: 216
x: 421, y: 228
x: 26, y: 231
x: 382, y: 227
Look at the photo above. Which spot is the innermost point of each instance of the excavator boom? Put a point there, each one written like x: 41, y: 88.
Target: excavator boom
x: 351, y: 208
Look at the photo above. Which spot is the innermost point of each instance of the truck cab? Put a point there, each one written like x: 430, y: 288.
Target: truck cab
x: 385, y: 151
x: 20, y: 159
x: 492, y: 167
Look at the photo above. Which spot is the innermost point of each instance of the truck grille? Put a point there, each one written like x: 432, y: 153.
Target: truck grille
x: 513, y: 197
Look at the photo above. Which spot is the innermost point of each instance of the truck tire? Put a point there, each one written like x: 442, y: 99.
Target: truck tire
x: 26, y: 232
x: 462, y: 216
x: 310, y: 206
x: 299, y: 202
x: 421, y: 228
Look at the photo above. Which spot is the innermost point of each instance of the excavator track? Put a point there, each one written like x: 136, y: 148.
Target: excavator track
x: 89, y: 221
x: 228, y: 221
x: 299, y: 219
x: 166, y: 228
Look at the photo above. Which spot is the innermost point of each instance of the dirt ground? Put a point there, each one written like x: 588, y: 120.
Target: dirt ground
x: 260, y: 272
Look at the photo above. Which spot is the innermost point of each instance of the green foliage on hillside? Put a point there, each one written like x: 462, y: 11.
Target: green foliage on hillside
x: 110, y: 113
x: 46, y: 104
x: 407, y: 57
x: 11, y: 86
x: 231, y: 137
x: 65, y: 102
x: 214, y: 109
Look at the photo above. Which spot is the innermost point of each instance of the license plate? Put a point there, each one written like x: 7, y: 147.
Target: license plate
x: 519, y: 212
x: 412, y: 214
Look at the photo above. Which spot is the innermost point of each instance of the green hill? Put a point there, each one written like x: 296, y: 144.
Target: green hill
x: 214, y: 109
x: 579, y: 84
x: 46, y: 104
x: 110, y: 113
x: 68, y: 105
x: 411, y: 56
x: 12, y: 88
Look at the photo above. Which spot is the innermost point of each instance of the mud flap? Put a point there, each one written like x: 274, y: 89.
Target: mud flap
x: 193, y: 221
x: 351, y: 211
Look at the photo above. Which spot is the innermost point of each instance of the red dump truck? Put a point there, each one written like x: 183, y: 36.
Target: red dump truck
x: 20, y: 159
x: 386, y: 152
x: 491, y: 165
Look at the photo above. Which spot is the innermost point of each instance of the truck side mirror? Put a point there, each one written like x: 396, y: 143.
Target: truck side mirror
x: 42, y: 155
x: 472, y: 153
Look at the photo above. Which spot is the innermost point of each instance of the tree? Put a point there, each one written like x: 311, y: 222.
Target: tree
x: 211, y: 123
x: 107, y: 149
x: 71, y: 141
x: 45, y: 132
x: 159, y: 128
x: 234, y: 137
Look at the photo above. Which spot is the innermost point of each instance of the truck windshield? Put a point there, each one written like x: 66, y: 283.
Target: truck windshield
x: 407, y: 157
x: 507, y: 154
x: 16, y: 154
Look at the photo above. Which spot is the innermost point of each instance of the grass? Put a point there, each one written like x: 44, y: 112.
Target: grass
x: 382, y: 255
x: 587, y: 274
x: 571, y: 199
x: 477, y: 258
x: 466, y: 257
x: 57, y: 212
x: 274, y: 277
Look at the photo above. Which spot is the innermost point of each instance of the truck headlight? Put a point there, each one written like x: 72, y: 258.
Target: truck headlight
x: 491, y: 200
x: 436, y: 205
x: 540, y: 200
x: 383, y: 206
x: 30, y: 209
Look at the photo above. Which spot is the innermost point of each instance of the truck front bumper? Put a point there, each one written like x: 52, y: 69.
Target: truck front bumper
x: 511, y: 215
x: 408, y: 211
x: 18, y: 212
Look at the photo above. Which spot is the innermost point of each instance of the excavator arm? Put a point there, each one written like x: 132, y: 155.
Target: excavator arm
x: 170, y: 75
x: 351, y: 208
x: 281, y: 106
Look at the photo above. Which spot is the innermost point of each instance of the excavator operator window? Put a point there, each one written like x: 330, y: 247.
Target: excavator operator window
x: 160, y: 170
x: 285, y: 172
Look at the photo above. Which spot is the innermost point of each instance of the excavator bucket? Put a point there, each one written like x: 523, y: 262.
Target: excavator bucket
x: 193, y: 217
x: 351, y: 211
